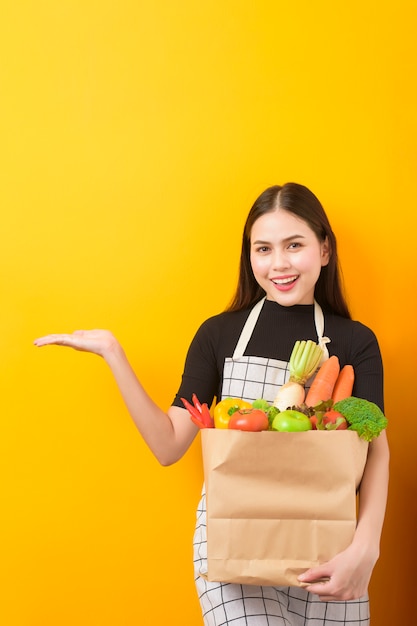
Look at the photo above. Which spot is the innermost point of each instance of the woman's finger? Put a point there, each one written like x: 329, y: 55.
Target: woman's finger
x: 58, y: 339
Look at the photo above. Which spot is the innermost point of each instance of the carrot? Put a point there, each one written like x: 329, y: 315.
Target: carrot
x: 322, y: 386
x: 344, y: 384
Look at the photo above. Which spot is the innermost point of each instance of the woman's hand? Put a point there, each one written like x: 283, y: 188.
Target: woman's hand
x: 345, y: 577
x: 349, y: 572
x: 97, y: 341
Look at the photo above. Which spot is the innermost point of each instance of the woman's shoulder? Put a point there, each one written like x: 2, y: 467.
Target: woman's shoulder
x: 217, y: 336
x: 224, y: 322
x: 351, y: 338
x: 353, y: 326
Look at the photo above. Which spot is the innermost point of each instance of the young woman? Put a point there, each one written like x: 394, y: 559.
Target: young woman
x: 289, y: 289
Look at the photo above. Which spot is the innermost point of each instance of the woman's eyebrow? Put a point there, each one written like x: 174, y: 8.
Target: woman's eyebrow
x: 285, y: 240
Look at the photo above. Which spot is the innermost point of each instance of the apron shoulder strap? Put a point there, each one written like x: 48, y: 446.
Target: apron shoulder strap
x: 247, y: 330
x: 319, y: 322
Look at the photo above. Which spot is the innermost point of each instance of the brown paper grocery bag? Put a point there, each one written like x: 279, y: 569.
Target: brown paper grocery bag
x: 278, y: 503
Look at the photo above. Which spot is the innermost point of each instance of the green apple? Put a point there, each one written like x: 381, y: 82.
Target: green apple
x: 291, y: 421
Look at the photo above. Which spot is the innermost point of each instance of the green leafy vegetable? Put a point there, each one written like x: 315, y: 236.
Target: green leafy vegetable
x: 363, y: 416
x: 261, y: 404
x: 270, y: 410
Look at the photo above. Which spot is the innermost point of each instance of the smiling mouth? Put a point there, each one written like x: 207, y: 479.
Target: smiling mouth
x: 284, y: 281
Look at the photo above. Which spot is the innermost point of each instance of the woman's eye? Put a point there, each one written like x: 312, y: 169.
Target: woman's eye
x: 263, y: 249
x: 294, y: 244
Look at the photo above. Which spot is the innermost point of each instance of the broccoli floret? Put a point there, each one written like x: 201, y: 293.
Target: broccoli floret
x: 363, y: 416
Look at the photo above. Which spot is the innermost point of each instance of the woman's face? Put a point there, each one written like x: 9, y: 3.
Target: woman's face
x: 286, y: 257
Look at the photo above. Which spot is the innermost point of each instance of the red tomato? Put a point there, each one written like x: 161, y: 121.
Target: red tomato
x: 332, y: 417
x: 253, y: 420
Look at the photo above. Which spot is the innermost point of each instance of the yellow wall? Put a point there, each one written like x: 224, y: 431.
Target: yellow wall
x: 134, y: 138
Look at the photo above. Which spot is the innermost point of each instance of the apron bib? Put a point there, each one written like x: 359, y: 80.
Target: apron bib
x: 251, y: 378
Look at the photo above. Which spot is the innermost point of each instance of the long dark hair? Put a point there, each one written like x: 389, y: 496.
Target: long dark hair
x: 300, y: 201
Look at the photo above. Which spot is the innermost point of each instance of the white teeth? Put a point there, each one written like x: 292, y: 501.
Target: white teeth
x: 283, y: 281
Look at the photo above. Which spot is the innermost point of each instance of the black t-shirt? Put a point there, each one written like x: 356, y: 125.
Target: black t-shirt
x: 274, y: 335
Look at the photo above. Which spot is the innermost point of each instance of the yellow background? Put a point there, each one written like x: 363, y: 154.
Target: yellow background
x: 135, y: 136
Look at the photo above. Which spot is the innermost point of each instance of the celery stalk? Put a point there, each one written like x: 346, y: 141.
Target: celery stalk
x: 304, y: 360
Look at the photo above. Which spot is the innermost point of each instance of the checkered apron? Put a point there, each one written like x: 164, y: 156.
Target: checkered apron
x: 222, y: 604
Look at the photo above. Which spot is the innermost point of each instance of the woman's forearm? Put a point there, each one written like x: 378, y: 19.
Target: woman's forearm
x: 373, y: 496
x: 168, y: 435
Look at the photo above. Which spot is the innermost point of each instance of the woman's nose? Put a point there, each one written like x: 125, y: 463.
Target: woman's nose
x: 280, y: 260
